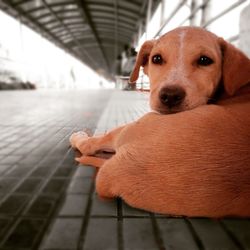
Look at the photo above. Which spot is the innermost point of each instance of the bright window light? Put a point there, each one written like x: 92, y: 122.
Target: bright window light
x: 30, y: 57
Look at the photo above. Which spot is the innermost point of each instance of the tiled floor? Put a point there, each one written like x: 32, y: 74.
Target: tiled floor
x: 47, y: 202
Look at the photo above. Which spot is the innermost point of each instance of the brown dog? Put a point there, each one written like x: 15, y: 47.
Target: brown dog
x: 193, y: 163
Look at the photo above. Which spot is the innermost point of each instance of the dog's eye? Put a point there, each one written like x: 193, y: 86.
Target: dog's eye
x: 157, y: 59
x: 204, y: 61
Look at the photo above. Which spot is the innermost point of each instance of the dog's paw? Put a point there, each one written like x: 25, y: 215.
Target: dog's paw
x: 78, y: 138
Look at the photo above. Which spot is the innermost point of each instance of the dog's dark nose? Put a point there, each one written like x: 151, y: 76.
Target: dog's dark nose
x: 172, y: 96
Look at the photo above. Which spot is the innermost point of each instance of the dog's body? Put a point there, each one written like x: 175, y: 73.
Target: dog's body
x: 195, y: 162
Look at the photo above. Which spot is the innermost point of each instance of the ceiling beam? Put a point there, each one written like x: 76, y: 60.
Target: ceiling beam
x: 109, y: 6
x: 87, y: 17
x: 111, y: 21
x: 66, y: 28
x: 22, y: 2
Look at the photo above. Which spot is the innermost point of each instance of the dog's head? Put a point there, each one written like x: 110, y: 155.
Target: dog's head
x: 186, y: 66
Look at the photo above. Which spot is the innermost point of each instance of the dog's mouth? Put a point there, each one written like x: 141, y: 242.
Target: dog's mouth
x: 172, y: 110
x: 167, y: 111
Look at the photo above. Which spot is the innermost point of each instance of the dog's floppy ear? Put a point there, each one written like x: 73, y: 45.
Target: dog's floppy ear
x: 235, y: 68
x: 141, y: 60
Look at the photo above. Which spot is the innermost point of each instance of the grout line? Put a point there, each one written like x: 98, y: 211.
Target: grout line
x: 119, y: 208
x: 87, y: 216
x: 194, y: 234
x: 231, y: 235
x: 120, y: 224
x: 157, y: 233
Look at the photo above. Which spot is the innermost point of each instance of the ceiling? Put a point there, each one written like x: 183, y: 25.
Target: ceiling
x: 94, y: 31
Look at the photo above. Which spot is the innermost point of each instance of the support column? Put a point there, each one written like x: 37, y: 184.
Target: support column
x: 139, y: 32
x: 192, y: 8
x: 149, y: 9
x: 22, y: 63
x: 244, y: 34
x: 163, y: 4
x: 205, y: 12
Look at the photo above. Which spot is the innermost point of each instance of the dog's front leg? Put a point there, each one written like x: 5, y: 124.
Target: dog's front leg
x: 91, y: 145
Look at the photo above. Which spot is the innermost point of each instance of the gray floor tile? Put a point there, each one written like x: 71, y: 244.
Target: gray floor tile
x: 25, y: 234
x: 18, y: 171
x: 3, y: 168
x: 63, y: 172
x: 84, y: 171
x: 212, y: 235
x: 130, y: 211
x: 64, y: 234
x: 42, y: 172
x: 4, y: 223
x: 240, y: 229
x: 11, y: 159
x: 55, y: 186
x: 80, y: 186
x: 29, y: 185
x: 101, y: 234
x: 138, y: 234
x: 102, y: 207
x: 7, y: 184
x: 42, y: 206
x: 13, y: 204
x: 74, y: 205
x: 176, y: 234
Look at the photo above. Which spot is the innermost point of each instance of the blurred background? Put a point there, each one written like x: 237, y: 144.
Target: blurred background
x: 67, y: 44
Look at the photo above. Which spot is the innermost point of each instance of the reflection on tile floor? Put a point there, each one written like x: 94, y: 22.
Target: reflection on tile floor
x: 48, y: 202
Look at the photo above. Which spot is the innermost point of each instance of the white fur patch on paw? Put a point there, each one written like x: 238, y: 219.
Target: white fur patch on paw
x: 75, y: 137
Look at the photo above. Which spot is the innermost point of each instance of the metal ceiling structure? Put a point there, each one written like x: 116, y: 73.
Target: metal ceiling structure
x: 94, y: 31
